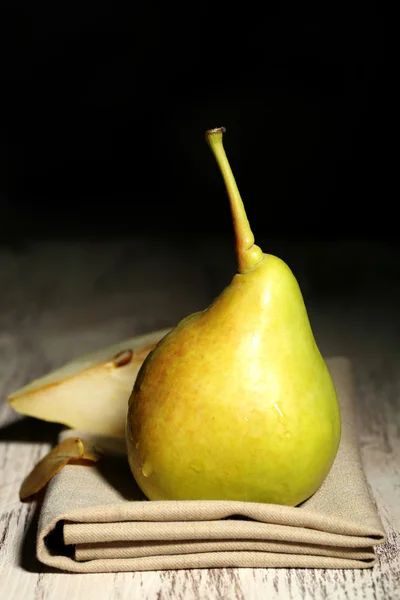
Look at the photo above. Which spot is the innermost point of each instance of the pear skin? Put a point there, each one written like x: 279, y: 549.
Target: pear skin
x: 236, y: 402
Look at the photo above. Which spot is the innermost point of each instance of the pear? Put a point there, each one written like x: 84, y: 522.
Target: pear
x: 91, y: 392
x: 236, y: 402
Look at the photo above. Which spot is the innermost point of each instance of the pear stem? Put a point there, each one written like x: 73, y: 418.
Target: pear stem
x: 248, y: 254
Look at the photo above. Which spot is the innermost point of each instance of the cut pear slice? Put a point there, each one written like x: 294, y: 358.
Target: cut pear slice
x: 68, y: 451
x: 89, y: 393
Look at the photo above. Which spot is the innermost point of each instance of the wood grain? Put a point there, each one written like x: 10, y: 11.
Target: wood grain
x: 59, y: 300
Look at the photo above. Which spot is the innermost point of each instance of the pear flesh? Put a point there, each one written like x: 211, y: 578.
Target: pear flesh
x: 236, y: 402
x: 91, y: 392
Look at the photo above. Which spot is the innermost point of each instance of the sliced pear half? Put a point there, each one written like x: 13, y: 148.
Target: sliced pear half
x: 91, y: 392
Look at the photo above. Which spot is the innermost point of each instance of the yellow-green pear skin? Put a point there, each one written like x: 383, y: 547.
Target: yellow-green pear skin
x: 236, y: 402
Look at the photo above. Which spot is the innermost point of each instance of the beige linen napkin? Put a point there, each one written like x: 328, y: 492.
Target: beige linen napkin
x: 94, y: 518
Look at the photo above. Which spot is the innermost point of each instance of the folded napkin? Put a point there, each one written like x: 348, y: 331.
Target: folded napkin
x: 95, y: 519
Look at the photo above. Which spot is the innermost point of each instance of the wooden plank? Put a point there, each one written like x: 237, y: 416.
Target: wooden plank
x: 49, y: 313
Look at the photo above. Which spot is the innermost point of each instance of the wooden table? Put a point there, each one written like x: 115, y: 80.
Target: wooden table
x: 58, y: 300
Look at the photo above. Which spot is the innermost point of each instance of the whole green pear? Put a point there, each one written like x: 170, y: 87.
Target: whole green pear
x: 236, y: 402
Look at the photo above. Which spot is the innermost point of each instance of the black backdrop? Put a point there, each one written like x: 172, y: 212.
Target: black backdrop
x: 102, y: 133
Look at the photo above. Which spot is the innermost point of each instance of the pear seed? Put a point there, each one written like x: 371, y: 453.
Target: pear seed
x: 123, y: 358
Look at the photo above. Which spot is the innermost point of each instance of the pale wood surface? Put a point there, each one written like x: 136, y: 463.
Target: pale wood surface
x: 57, y: 300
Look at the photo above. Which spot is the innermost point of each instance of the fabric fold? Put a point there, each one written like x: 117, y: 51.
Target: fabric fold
x: 95, y: 519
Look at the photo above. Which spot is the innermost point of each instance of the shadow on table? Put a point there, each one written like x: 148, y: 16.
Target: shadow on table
x: 27, y: 552
x: 28, y: 429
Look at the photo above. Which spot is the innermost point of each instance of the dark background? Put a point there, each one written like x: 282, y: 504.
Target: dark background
x: 104, y: 167
x: 102, y: 130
